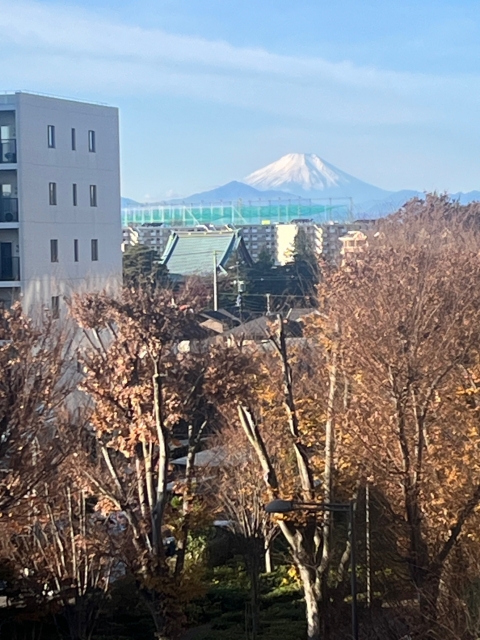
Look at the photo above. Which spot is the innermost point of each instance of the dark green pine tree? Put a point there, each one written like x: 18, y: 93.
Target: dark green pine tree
x: 303, y: 270
x: 142, y: 267
x: 263, y: 278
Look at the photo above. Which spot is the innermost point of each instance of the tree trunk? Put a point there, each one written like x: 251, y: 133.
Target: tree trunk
x: 328, y: 493
x: 162, y: 467
x: 428, y: 592
x: 311, y: 603
x: 268, y: 560
x: 152, y: 600
x: 81, y: 618
x: 193, y: 446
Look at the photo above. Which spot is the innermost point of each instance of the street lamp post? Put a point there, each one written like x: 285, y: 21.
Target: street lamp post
x: 286, y: 506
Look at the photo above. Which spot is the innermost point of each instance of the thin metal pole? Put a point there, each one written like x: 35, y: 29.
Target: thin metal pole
x: 215, y: 282
x: 367, y: 545
x: 353, y: 577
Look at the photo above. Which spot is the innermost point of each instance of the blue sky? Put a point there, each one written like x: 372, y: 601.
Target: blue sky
x: 210, y: 90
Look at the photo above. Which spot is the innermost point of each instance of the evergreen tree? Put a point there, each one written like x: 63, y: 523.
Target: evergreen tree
x: 261, y: 279
x: 141, y: 267
x: 304, y: 269
x: 292, y: 284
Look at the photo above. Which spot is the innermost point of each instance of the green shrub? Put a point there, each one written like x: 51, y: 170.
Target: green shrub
x: 228, y: 620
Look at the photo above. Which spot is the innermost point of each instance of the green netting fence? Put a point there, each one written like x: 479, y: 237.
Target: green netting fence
x: 238, y: 213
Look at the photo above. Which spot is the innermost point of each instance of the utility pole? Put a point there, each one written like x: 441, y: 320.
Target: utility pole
x: 269, y: 310
x: 239, y: 303
x: 215, y: 282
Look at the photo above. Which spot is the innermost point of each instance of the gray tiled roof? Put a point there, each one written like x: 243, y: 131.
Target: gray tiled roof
x: 259, y: 328
x: 191, y: 253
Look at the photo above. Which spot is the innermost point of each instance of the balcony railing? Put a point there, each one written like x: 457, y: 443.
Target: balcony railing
x: 9, y: 269
x: 8, y: 151
x: 8, y: 209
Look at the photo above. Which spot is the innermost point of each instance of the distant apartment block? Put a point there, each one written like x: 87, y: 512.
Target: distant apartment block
x: 354, y: 244
x: 278, y: 239
x: 151, y: 235
x: 60, y: 224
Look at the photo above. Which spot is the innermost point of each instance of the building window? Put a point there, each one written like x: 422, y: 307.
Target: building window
x: 74, y: 140
x: 53, y: 250
x: 55, y: 306
x: 75, y: 250
x: 52, y: 192
x: 74, y: 195
x: 91, y: 141
x: 51, y: 136
x: 94, y: 250
x: 93, y: 195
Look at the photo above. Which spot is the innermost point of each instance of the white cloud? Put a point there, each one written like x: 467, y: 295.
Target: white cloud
x: 70, y: 50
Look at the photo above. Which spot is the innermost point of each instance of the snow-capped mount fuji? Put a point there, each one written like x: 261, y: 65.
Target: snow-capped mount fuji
x: 307, y: 175
x: 304, y: 171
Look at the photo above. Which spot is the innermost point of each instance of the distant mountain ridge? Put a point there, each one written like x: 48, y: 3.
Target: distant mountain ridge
x: 231, y: 191
x: 306, y: 175
x: 128, y: 202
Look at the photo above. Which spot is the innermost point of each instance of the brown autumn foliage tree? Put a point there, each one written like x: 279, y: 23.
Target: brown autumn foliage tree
x: 35, y: 380
x: 61, y: 557
x: 239, y: 500
x: 143, y: 387
x: 409, y: 311
x: 287, y: 417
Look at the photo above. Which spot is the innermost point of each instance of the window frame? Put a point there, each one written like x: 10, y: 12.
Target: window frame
x: 94, y: 249
x: 93, y: 195
x: 51, y: 136
x: 92, y: 143
x: 55, y: 307
x: 52, y: 194
x: 54, y: 250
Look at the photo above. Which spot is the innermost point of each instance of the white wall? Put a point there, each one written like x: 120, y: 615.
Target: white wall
x: 286, y: 234
x: 40, y: 222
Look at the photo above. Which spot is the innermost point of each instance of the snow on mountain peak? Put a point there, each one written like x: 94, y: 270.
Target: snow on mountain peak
x: 305, y: 171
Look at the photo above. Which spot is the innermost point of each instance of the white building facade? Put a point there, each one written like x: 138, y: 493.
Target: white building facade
x: 60, y: 223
